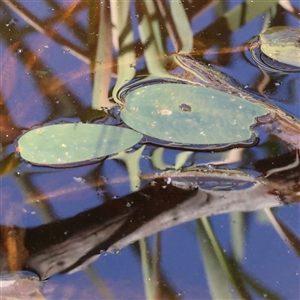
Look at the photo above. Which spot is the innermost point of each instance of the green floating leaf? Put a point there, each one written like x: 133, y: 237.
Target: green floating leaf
x: 65, y: 144
x: 189, y: 114
x: 282, y: 44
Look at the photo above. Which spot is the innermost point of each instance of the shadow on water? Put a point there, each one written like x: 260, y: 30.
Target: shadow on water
x: 161, y: 220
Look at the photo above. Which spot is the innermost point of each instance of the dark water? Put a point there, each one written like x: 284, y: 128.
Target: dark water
x: 226, y: 224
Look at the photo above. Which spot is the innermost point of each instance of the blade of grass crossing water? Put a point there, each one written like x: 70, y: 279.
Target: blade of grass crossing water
x: 183, y: 26
x: 269, y: 15
x: 150, y: 35
x: 259, y: 289
x: 97, y: 281
x: 221, y: 278
x: 93, y: 19
x: 126, y: 57
x: 147, y: 270
x: 182, y: 158
x: 156, y: 266
x: 237, y: 227
x: 158, y: 160
x: 247, y: 11
x: 132, y: 162
x: 103, y: 59
x: 285, y: 233
x: 163, y: 288
x: 216, y: 276
x: 221, y: 8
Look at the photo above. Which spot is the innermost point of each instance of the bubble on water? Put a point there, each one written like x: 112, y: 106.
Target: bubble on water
x: 11, y: 22
x: 211, y: 167
x: 168, y: 180
x: 116, y: 251
x: 79, y: 179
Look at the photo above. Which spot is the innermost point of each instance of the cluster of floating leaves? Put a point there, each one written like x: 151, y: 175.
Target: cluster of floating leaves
x: 180, y: 113
x: 169, y: 112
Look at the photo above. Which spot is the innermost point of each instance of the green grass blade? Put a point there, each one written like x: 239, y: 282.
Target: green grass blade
x: 246, y: 12
x: 259, y: 288
x: 182, y: 158
x: 217, y: 278
x: 8, y: 164
x: 126, y: 57
x: 183, y: 26
x: 164, y: 289
x: 237, y: 227
x: 98, y: 282
x: 285, y: 233
x: 150, y: 35
x: 102, y: 62
x: 93, y: 18
x: 147, y: 270
x: 157, y: 159
x: 132, y: 162
x: 220, y: 273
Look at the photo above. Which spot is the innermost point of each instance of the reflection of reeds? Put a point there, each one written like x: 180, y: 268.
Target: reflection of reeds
x: 98, y: 282
x: 156, y: 284
x: 284, y: 232
x: 225, y: 274
x: 124, y: 44
x: 101, y: 62
x: 42, y: 27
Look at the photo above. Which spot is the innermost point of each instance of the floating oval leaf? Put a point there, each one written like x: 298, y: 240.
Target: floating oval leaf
x: 282, y: 44
x: 64, y: 144
x: 189, y: 114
